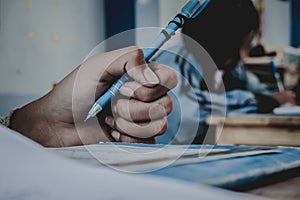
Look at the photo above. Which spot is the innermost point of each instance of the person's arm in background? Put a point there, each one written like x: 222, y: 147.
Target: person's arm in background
x: 246, y: 95
x: 195, y: 103
x: 266, y: 103
x: 296, y: 89
x: 267, y: 100
x: 57, y: 118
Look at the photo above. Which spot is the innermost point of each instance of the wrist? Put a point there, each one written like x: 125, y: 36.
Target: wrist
x: 21, y: 120
x: 32, y: 123
x: 5, y: 121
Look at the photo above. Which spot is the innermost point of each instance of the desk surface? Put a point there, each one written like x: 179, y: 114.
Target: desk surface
x: 256, y: 129
x: 255, y: 119
x: 238, y: 173
x: 286, y: 190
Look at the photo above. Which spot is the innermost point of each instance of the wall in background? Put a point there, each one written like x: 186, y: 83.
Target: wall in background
x: 145, y: 8
x: 296, y: 23
x: 168, y: 9
x: 147, y: 12
x: 41, y: 41
x: 277, y: 23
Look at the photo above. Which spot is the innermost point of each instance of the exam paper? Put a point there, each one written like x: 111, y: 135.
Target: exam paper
x: 290, y: 110
x: 29, y: 172
x: 140, y: 158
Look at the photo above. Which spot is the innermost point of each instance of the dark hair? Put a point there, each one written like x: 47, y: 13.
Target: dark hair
x: 221, y: 27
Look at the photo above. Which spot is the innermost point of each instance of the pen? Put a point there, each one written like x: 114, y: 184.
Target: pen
x: 192, y: 9
x: 277, y: 77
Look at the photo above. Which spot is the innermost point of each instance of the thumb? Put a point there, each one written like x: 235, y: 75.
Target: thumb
x: 131, y: 60
x: 97, y: 73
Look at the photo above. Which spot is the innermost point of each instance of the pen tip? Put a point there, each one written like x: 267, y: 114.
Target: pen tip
x: 88, y: 117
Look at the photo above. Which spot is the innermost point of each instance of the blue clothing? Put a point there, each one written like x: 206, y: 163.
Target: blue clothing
x: 193, y: 104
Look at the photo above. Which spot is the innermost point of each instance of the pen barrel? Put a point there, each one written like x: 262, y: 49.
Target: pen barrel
x: 191, y: 9
x: 155, y: 46
x: 112, y: 91
x: 164, y: 36
x: 279, y: 82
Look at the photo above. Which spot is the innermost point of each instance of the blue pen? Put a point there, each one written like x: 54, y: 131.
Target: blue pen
x: 191, y: 10
x: 277, y: 77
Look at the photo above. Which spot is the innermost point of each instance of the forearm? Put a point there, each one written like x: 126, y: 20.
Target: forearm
x: 265, y: 103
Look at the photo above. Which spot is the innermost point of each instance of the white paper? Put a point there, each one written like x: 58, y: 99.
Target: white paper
x: 138, y: 158
x: 287, y: 110
x: 29, y: 172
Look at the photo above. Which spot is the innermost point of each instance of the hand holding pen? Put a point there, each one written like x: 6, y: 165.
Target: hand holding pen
x: 191, y: 10
x: 56, y: 119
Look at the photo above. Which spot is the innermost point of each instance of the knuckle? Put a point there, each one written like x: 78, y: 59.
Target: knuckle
x: 122, y: 108
x: 121, y: 126
x: 144, y: 94
x: 163, y: 126
x: 175, y: 78
x: 137, y: 53
x: 124, y: 138
x: 169, y: 104
x: 172, y: 79
x: 168, y: 76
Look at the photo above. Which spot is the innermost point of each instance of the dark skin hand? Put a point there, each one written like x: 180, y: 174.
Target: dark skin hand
x: 56, y: 119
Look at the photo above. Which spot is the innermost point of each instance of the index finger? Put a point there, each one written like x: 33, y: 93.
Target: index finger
x: 131, y: 61
x: 168, y: 80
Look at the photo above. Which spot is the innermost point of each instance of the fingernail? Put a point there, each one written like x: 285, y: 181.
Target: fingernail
x: 126, y: 91
x: 150, y: 76
x: 157, y: 110
x: 109, y: 121
x: 116, y: 135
